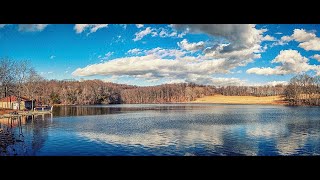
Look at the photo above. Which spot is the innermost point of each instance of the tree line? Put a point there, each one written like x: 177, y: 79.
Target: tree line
x: 303, y: 90
x: 258, y: 91
x: 21, y: 80
x: 99, y: 92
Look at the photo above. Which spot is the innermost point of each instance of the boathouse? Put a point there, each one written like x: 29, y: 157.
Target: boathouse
x: 11, y: 102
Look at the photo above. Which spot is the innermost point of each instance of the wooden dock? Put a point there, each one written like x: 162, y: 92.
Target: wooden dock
x: 28, y: 113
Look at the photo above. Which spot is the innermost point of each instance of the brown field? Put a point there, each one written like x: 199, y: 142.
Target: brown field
x: 221, y: 99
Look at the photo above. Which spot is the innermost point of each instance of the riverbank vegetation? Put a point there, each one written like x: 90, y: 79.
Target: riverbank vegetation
x: 303, y: 90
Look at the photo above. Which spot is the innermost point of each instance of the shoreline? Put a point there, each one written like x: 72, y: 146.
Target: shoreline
x: 220, y: 99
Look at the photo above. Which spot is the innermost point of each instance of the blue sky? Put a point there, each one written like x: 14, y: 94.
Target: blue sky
x: 152, y: 54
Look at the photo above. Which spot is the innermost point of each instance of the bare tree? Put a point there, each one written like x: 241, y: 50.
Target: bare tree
x: 7, y: 76
x: 303, y: 90
x: 32, y: 84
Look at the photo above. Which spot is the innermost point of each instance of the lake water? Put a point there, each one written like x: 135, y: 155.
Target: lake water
x: 167, y: 130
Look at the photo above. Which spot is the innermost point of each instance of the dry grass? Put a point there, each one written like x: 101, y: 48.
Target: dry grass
x: 221, y: 99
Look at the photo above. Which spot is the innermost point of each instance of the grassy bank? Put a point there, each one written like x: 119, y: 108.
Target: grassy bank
x: 221, y: 99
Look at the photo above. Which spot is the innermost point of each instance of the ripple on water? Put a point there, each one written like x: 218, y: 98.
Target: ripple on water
x: 184, y: 130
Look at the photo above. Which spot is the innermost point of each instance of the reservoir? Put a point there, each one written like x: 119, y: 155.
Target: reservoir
x: 167, y: 130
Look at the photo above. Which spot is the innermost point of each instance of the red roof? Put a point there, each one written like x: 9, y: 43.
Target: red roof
x: 13, y: 99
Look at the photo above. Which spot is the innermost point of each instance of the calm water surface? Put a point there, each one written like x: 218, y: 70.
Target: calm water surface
x: 168, y: 129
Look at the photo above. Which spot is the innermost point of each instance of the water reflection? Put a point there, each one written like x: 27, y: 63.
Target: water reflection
x: 116, y: 109
x: 157, y: 137
x: 173, y: 129
x: 24, y: 134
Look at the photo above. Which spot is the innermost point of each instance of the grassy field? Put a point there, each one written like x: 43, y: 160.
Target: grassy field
x: 221, y: 99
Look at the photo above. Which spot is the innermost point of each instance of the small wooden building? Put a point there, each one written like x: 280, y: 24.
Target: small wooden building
x: 11, y: 102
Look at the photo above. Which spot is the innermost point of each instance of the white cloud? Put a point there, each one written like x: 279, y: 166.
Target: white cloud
x: 283, y: 41
x: 183, y: 33
x: 95, y: 27
x: 139, y: 25
x: 241, y: 42
x: 317, y: 57
x: 234, y: 59
x: 191, y: 46
x: 240, y: 36
x: 134, y: 51
x: 266, y: 71
x: 301, y: 35
x: 141, y: 34
x: 207, y: 80
x: 241, y: 45
x: 32, y: 27
x: 291, y: 61
x: 313, y: 44
x: 79, y: 28
x: 171, y: 65
x: 106, y: 56
x: 163, y: 33
x: 175, y: 81
x: 154, y: 33
x: 173, y: 34
x: 273, y: 83
x: 2, y: 25
x: 278, y: 33
x: 158, y: 32
x: 52, y: 57
x: 268, y: 38
x: 286, y: 38
x: 156, y: 64
x: 317, y: 70
x: 153, y: 67
x: 166, y: 33
x: 307, y: 40
x: 165, y: 53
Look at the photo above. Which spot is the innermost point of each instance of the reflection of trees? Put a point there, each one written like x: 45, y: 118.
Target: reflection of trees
x: 103, y: 110
x: 11, y: 134
x: 36, y: 132
x: 83, y: 110
x: 30, y: 134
